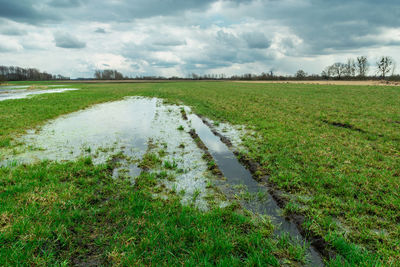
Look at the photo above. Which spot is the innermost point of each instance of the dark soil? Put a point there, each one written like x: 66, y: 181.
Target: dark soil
x: 344, y: 125
x: 260, y: 175
x: 207, y: 156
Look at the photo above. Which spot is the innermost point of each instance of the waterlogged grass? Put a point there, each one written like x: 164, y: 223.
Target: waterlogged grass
x: 76, y: 214
x: 335, y: 149
x: 18, y: 115
x: 149, y: 161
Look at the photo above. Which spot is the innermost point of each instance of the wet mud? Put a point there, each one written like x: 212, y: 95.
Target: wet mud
x: 237, y: 175
x: 344, y: 125
x: 279, y: 197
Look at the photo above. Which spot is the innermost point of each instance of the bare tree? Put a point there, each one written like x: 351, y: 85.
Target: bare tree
x: 327, y: 72
x: 97, y: 75
x: 271, y: 72
x: 394, y: 67
x: 21, y: 74
x: 195, y: 76
x: 108, y: 75
x: 324, y: 74
x: 362, y: 66
x: 385, y: 65
x: 350, y: 68
x: 301, y: 74
x: 337, y: 70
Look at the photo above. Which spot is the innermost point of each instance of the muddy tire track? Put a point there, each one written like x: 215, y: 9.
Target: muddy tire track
x: 207, y: 156
x: 316, y: 240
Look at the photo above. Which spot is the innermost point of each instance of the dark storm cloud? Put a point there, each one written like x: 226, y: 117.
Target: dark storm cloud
x: 328, y: 26
x: 190, y: 34
x: 31, y: 11
x: 37, y: 11
x: 65, y: 40
x: 256, y: 40
x: 323, y: 25
x: 100, y: 30
x: 24, y: 11
x: 65, y: 3
x: 156, y: 7
x: 219, y: 50
x: 12, y: 31
x: 229, y: 48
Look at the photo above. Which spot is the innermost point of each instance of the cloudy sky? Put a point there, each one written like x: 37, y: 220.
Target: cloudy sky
x: 178, y: 37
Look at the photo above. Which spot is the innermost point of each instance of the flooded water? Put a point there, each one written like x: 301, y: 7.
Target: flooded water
x: 127, y: 127
x: 234, y: 133
x: 122, y: 127
x: 9, y: 87
x: 12, y: 92
x: 237, y: 175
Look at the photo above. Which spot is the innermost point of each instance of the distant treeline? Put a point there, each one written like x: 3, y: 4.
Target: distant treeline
x: 352, y: 69
x: 108, y: 75
x: 27, y: 74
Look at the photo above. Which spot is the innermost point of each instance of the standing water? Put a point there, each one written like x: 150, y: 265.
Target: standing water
x: 237, y: 174
x: 120, y: 131
x: 19, y: 92
x: 126, y: 127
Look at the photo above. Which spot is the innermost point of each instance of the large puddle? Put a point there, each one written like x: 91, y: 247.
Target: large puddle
x: 137, y: 126
x: 125, y: 128
x: 9, y: 87
x: 237, y: 176
x: 24, y: 91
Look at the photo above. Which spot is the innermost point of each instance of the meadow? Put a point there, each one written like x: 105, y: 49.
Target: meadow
x: 333, y: 150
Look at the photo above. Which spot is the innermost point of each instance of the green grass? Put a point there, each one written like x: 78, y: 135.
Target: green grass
x: 149, y: 161
x: 335, y: 149
x: 75, y: 213
x: 350, y: 175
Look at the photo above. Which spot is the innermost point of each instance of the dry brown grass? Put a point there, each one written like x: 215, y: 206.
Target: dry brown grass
x: 5, y: 221
x: 325, y: 82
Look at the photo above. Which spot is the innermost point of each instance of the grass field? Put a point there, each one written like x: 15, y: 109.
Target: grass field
x: 335, y: 149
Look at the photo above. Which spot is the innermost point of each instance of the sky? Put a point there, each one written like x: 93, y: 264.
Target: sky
x: 179, y: 37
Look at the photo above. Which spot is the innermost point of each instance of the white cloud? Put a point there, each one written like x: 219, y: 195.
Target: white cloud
x: 9, y: 45
x: 230, y: 37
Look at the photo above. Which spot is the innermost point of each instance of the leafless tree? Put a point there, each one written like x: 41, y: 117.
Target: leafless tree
x: 21, y: 74
x: 97, y: 75
x: 337, y: 70
x: 327, y: 72
x: 108, y: 75
x: 301, y: 74
x: 394, y: 67
x: 362, y: 66
x: 350, y: 68
x: 385, y: 65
